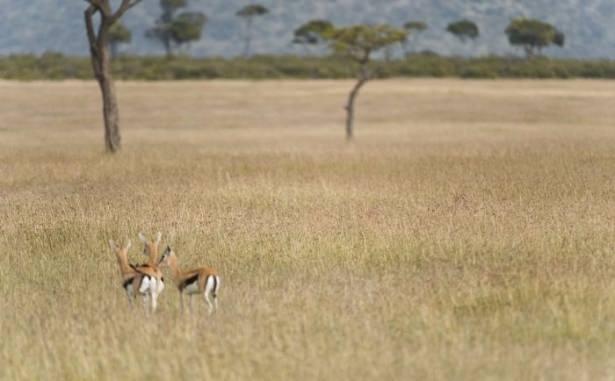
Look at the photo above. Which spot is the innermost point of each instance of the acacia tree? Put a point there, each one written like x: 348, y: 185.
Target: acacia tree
x: 464, y: 30
x: 188, y: 27
x: 312, y: 33
x: 173, y: 29
x: 533, y: 35
x: 358, y: 43
x: 413, y: 28
x: 248, y: 13
x: 118, y: 34
x: 101, y: 62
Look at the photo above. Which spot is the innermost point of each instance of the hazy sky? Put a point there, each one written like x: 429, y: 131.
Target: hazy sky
x: 41, y: 25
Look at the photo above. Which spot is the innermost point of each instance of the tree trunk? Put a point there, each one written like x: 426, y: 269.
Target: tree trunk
x: 351, y: 104
x: 168, y: 47
x: 529, y: 51
x: 246, y: 51
x: 101, y: 64
x: 111, y: 115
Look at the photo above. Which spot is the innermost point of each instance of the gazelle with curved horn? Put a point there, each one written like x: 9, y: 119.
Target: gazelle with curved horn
x: 152, y: 274
x: 135, y: 281
x: 131, y: 278
x: 203, y: 280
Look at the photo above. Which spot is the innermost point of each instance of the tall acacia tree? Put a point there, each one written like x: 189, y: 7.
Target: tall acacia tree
x: 248, y: 13
x: 98, y: 39
x: 173, y: 29
x: 358, y: 43
x: 188, y: 27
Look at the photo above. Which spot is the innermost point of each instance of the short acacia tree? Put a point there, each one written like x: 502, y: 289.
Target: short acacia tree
x: 312, y: 33
x: 533, y: 35
x: 358, y: 43
x: 173, y: 29
x: 464, y: 30
x: 188, y: 27
x: 248, y: 13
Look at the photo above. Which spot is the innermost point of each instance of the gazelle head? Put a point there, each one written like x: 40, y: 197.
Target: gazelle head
x: 168, y: 256
x: 150, y: 248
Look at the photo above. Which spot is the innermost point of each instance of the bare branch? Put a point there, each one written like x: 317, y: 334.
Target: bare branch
x: 102, y: 6
x: 124, y: 7
x: 89, y: 25
x: 92, y: 38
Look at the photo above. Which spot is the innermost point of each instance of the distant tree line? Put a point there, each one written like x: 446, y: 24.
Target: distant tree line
x: 177, y: 28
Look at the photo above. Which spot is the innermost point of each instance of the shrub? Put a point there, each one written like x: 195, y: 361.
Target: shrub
x: 55, y: 66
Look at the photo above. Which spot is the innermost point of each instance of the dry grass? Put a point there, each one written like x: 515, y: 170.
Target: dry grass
x: 468, y: 233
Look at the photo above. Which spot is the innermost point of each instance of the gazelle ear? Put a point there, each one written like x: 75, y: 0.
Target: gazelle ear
x: 128, y: 245
x: 158, y: 238
x: 142, y: 238
x: 112, y: 245
x: 164, y: 255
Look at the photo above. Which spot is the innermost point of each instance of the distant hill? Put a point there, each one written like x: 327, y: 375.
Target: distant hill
x: 57, y: 25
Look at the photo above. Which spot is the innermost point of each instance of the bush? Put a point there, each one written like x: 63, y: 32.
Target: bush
x: 55, y: 66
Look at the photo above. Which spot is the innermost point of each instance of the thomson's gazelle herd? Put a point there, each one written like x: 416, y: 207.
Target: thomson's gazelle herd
x: 146, y: 280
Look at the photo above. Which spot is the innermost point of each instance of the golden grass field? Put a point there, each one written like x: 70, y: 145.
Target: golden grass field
x: 468, y: 233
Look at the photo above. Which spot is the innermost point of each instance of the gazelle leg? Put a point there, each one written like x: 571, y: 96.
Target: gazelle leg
x: 210, y: 306
x: 146, y: 303
x: 181, y: 302
x: 154, y: 301
x: 190, y: 303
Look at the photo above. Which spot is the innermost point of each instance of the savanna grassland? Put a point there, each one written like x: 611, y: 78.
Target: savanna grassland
x: 468, y: 233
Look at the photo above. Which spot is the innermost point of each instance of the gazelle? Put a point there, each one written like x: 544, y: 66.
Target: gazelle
x: 131, y: 278
x: 203, y: 280
x: 152, y: 276
x: 135, y: 281
x: 145, y: 280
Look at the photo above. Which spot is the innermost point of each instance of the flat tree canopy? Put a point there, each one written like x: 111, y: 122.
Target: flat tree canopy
x: 252, y: 10
x: 187, y: 27
x: 464, y: 30
x: 533, y: 35
x: 358, y: 42
x: 312, y: 32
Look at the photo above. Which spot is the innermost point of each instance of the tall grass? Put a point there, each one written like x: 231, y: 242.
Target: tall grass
x: 468, y: 233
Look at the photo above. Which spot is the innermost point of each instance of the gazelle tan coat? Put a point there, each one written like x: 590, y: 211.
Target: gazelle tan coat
x: 131, y: 277
x: 153, y: 281
x: 203, y: 280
